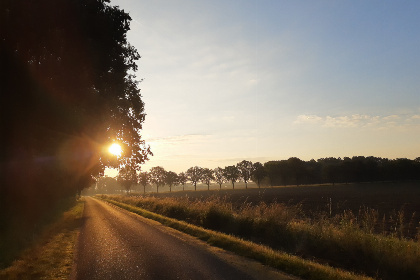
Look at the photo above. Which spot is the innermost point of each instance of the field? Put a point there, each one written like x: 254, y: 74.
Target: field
x: 371, y: 229
x: 389, y: 199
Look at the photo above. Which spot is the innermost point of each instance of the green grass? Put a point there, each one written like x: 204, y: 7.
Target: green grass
x: 344, y: 241
x: 277, y: 259
x: 51, y: 256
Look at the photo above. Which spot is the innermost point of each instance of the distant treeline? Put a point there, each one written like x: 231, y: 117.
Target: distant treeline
x: 341, y: 170
x: 292, y: 171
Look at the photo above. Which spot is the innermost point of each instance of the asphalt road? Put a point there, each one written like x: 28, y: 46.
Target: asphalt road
x: 116, y: 244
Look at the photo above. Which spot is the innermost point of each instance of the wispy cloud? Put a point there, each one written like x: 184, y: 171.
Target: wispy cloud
x: 359, y: 121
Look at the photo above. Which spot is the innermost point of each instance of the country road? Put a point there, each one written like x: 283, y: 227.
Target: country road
x: 116, y: 244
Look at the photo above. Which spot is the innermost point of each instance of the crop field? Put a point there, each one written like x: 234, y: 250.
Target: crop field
x: 394, y: 203
x: 371, y: 229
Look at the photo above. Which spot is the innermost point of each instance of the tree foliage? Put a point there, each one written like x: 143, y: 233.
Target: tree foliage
x: 207, y: 176
x: 127, y: 177
x: 157, y: 176
x: 258, y: 173
x: 144, y: 178
x: 68, y: 91
x: 341, y: 170
x: 171, y: 178
x: 194, y: 175
x: 245, y: 168
x: 182, y: 179
x: 232, y: 174
x: 218, y: 176
x: 107, y: 184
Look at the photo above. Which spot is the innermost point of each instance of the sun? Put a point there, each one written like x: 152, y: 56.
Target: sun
x: 115, y: 149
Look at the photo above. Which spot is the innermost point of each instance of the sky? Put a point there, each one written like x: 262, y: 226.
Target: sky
x: 227, y: 80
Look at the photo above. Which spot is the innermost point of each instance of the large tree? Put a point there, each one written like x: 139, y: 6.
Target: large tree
x: 68, y: 91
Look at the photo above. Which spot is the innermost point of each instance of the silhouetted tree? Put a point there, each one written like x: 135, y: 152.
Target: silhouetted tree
x: 245, y: 168
x: 277, y: 172
x: 258, y: 173
x: 218, y: 176
x: 313, y: 172
x: 207, y: 176
x: 405, y: 169
x: 127, y: 177
x: 171, y: 178
x: 330, y: 169
x: 144, y: 178
x: 67, y: 91
x: 182, y: 179
x: 106, y: 184
x: 157, y: 176
x: 296, y: 169
x: 194, y: 175
x: 232, y: 174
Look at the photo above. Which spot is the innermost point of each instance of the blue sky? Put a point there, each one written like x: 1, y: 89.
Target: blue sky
x: 267, y: 80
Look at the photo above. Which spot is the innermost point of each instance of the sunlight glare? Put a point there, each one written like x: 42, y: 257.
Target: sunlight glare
x: 115, y: 149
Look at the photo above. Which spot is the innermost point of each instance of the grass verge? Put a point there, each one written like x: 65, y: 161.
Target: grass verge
x: 288, y: 263
x: 51, y: 257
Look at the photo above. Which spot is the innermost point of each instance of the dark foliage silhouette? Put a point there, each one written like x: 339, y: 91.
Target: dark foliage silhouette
x: 68, y: 91
x: 194, y: 174
x: 337, y: 170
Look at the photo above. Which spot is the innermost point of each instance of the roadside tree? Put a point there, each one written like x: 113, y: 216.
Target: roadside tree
x: 68, y: 90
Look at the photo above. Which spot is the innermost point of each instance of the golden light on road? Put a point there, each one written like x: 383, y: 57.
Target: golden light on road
x: 115, y: 149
